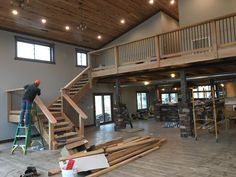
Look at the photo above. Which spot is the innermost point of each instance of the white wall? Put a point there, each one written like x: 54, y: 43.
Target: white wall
x: 194, y: 11
x: 157, y: 24
x: 17, y: 73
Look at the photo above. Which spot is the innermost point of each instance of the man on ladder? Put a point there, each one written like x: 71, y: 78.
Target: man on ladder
x: 25, y: 116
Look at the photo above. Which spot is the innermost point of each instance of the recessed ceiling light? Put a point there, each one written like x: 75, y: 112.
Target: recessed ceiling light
x: 14, y: 12
x: 99, y: 37
x: 122, y: 21
x: 172, y: 2
x: 172, y: 75
x: 67, y: 28
x: 163, y: 89
x: 151, y: 1
x: 222, y: 85
x: 43, y: 20
x: 175, y: 88
x: 146, y: 83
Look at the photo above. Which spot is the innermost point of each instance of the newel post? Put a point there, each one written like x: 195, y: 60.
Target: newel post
x: 81, y: 126
x: 51, y: 135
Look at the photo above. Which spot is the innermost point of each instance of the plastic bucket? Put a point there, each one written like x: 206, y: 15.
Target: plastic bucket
x: 67, y: 173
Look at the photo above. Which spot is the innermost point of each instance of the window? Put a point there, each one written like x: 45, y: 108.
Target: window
x: 142, y: 100
x: 81, y: 58
x: 202, y: 92
x: 32, y: 50
x: 167, y: 98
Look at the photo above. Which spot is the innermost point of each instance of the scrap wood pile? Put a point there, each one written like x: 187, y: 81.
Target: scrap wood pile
x: 116, y: 153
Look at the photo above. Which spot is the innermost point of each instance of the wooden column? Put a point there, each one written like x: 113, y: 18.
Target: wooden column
x: 184, y: 108
x: 117, y: 92
x: 183, y: 85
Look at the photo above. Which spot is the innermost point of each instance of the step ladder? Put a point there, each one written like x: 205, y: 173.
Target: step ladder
x: 24, y: 133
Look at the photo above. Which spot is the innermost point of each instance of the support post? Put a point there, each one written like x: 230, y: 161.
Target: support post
x: 184, y: 108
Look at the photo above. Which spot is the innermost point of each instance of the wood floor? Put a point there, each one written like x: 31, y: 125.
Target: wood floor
x: 177, y: 158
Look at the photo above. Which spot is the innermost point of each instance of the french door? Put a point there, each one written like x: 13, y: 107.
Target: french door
x: 103, y: 108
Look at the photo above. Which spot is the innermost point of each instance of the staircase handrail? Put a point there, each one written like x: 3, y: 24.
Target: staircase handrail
x: 76, y: 108
x: 76, y: 78
x: 45, y: 110
x: 15, y: 90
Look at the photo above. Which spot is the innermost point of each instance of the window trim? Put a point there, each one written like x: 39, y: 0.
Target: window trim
x: 36, y: 42
x: 81, y: 51
x: 147, y: 93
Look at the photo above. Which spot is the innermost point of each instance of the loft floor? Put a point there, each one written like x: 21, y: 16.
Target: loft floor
x: 177, y: 158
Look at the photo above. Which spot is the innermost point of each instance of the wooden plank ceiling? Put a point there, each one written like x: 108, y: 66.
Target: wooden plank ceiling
x: 102, y: 17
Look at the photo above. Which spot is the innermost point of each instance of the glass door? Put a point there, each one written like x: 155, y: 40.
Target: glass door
x: 103, y: 108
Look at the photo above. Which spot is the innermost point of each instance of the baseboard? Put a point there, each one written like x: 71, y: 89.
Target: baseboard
x: 11, y: 140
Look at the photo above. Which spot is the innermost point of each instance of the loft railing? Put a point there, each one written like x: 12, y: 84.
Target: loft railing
x: 14, y: 98
x: 204, y: 39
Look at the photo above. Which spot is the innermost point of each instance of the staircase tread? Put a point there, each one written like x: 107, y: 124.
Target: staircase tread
x: 76, y: 144
x: 70, y: 140
x: 54, y: 108
x: 66, y: 135
x: 61, y: 129
x: 62, y: 123
x: 56, y: 104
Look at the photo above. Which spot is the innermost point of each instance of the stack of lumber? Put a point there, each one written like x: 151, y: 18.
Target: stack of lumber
x: 125, y: 151
x: 120, y: 151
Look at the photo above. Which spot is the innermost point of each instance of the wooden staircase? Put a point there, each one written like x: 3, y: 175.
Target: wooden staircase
x: 57, y: 128
x: 64, y: 131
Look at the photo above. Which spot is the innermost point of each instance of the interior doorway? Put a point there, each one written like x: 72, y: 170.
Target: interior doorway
x: 103, y: 108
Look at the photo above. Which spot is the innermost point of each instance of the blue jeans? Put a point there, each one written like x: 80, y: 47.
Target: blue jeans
x: 26, y: 106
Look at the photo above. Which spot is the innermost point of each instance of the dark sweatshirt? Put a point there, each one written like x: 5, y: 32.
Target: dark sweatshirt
x: 30, y: 92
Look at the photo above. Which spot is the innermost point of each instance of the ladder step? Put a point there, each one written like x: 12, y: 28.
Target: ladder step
x: 21, y: 136
x: 66, y: 135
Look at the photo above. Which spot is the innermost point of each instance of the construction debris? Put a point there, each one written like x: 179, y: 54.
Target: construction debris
x: 116, y: 152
